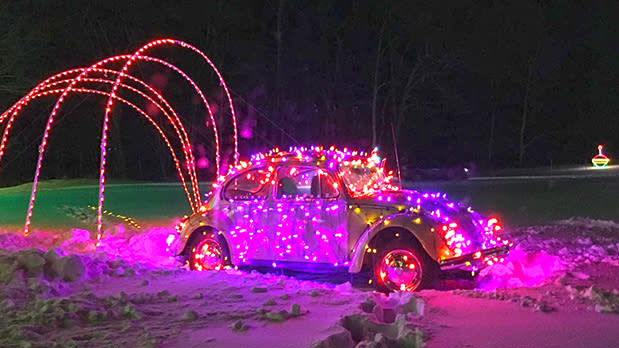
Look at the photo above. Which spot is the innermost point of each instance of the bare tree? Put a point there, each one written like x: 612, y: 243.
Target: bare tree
x: 525, y: 104
x: 377, y: 86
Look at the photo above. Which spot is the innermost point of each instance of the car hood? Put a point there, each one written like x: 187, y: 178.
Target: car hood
x: 412, y: 199
x: 439, y: 212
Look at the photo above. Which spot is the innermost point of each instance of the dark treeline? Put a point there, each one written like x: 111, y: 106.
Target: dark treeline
x: 495, y: 83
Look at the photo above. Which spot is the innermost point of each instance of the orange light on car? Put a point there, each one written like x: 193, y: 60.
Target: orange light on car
x: 444, y: 252
x: 493, y: 225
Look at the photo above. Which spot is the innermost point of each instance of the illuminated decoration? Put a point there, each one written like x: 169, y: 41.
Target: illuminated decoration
x: 139, y: 110
x: 130, y: 221
x: 317, y: 205
x: 82, y: 90
x: 312, y: 205
x: 73, y: 81
x: 600, y: 160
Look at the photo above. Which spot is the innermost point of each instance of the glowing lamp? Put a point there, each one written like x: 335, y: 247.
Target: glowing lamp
x: 600, y: 160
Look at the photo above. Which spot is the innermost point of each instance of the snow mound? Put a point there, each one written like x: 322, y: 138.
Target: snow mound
x: 574, y: 241
x: 521, y: 269
x: 546, y: 252
x: 603, y: 301
x: 387, y: 322
x: 585, y: 222
x: 147, y: 246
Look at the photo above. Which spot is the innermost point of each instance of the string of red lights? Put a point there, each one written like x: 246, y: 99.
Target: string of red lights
x: 71, y: 80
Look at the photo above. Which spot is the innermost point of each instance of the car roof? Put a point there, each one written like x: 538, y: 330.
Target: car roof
x: 328, y: 158
x: 317, y: 156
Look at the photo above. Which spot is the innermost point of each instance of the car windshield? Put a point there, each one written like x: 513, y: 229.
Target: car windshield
x: 361, y: 180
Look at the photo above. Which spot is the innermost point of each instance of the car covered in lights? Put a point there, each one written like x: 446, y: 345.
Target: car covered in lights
x: 326, y: 209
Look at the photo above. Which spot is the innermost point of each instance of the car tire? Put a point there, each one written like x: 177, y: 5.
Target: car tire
x: 204, y: 242
x: 390, y: 278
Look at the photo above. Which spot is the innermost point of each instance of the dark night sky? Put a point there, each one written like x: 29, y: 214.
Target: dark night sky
x: 455, y: 78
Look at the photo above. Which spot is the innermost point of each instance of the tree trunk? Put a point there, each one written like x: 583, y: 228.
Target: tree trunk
x: 493, y: 106
x: 525, y: 109
x: 278, y: 72
x: 491, y: 140
x: 376, y: 87
x: 335, y: 97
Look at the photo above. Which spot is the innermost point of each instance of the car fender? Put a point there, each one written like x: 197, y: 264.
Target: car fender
x: 219, y: 222
x: 411, y: 222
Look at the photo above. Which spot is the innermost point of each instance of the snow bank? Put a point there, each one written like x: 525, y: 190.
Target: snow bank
x: 388, y: 322
x: 59, y: 288
x: 589, y: 223
x: 576, y: 240
x: 544, y: 253
x: 147, y: 246
x: 521, y: 269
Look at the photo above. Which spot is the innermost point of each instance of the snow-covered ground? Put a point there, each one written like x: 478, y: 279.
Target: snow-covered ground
x: 558, y: 288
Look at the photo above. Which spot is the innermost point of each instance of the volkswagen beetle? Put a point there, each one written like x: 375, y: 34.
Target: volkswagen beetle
x: 325, y: 209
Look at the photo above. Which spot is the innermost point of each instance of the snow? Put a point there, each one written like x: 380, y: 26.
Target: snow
x: 146, y: 247
x: 558, y: 287
x: 521, y: 269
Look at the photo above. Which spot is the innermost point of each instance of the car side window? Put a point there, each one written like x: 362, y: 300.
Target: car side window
x: 253, y: 184
x: 302, y: 182
x: 329, y: 187
x: 297, y: 182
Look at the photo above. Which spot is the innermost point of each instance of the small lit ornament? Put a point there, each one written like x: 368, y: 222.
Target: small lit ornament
x: 600, y: 160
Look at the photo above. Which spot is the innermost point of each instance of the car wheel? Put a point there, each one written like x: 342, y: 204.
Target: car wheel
x: 403, y: 267
x: 207, y: 252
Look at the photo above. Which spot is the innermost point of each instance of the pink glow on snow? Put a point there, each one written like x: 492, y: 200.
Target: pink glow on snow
x: 147, y: 246
x: 521, y: 269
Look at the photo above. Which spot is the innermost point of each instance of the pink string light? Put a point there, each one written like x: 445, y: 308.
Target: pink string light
x: 48, y: 127
x: 184, y: 45
x: 5, y: 114
x: 106, y: 117
x: 181, y: 176
x: 10, y: 115
x: 108, y: 110
x: 140, y: 111
x: 225, y: 87
x: 184, y: 140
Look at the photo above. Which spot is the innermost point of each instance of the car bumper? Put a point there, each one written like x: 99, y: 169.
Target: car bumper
x: 473, y: 261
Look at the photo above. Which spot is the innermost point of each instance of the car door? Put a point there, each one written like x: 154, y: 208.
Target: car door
x: 333, y: 223
x: 249, y: 194
x: 307, y: 216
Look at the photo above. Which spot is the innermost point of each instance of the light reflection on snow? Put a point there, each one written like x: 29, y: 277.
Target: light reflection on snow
x: 521, y: 269
x: 147, y: 246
